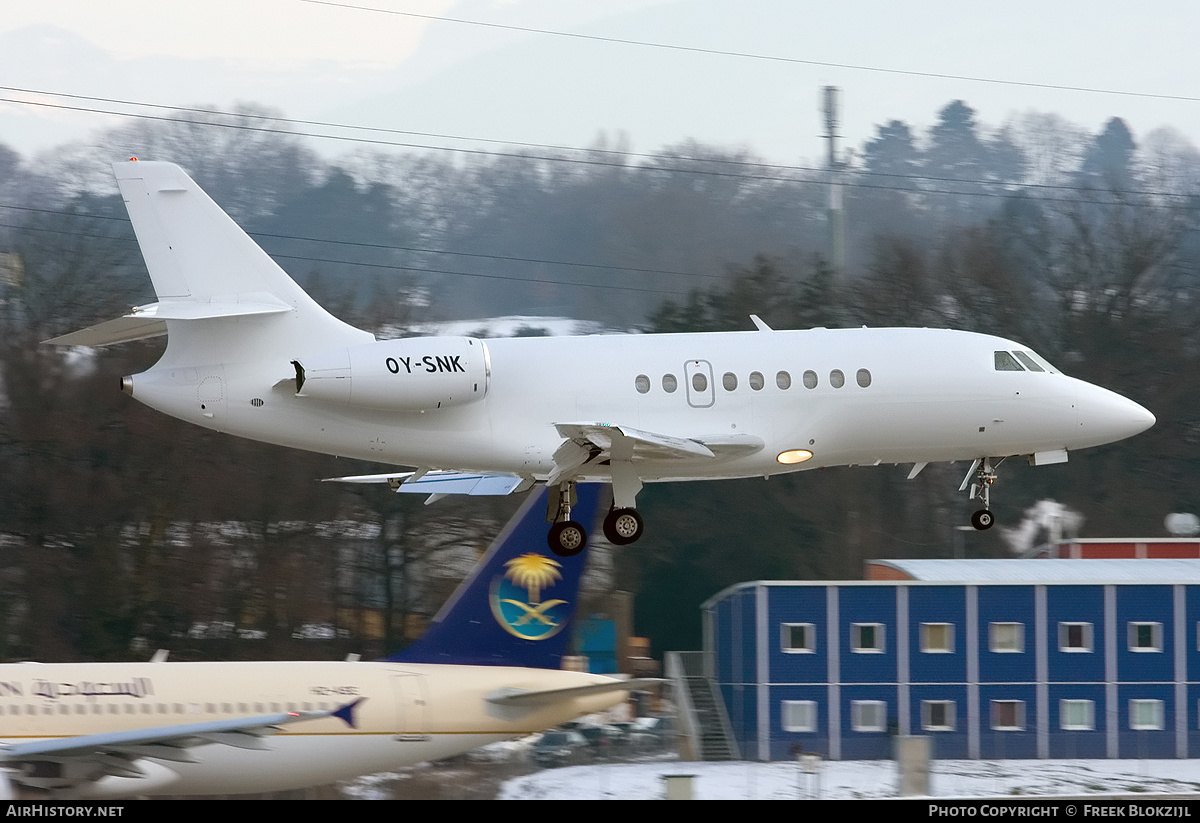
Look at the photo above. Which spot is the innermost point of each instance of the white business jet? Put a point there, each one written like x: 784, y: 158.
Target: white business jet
x: 249, y: 353
x: 486, y: 670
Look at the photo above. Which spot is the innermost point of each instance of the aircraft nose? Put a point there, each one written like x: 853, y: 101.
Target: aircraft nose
x: 1105, y: 416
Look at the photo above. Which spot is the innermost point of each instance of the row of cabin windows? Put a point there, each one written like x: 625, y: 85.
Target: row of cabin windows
x: 246, y: 709
x: 756, y: 381
x: 938, y: 638
x: 941, y: 715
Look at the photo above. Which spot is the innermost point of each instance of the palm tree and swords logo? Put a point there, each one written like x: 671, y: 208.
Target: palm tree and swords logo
x: 517, y: 598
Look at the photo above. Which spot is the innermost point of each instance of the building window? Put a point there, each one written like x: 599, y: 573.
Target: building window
x: 868, y: 715
x: 1077, y: 715
x: 1145, y: 637
x: 1006, y: 638
x: 799, y: 638
x: 1145, y: 714
x: 866, y: 637
x: 799, y: 715
x: 937, y: 715
x: 1075, y: 637
x: 937, y: 638
x: 1008, y: 715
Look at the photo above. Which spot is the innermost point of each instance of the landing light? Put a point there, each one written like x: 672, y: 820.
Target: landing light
x: 794, y: 456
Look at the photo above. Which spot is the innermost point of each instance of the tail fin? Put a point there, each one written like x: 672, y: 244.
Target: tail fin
x: 517, y: 607
x: 207, y: 271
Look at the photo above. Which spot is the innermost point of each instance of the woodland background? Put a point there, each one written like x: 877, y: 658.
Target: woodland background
x: 123, y: 531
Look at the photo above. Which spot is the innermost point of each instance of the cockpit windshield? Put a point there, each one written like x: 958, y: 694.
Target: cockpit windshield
x: 1022, y: 361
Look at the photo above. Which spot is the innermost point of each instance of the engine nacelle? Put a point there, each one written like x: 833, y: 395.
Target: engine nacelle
x: 411, y: 374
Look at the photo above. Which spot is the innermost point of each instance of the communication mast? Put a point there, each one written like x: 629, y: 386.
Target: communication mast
x: 837, y: 213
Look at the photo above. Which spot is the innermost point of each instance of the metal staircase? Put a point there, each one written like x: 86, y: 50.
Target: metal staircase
x: 703, y: 723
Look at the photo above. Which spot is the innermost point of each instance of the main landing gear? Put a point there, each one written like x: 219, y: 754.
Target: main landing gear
x: 981, y: 476
x: 568, y: 538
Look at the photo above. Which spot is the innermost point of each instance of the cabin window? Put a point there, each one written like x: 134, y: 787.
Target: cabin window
x: 642, y: 383
x: 937, y: 637
x: 937, y: 715
x: 866, y: 637
x: 670, y: 384
x: 799, y: 638
x: 1077, y: 715
x: 863, y: 377
x: 799, y: 715
x: 783, y: 380
x: 837, y: 379
x: 1145, y: 637
x: 699, y: 382
x: 729, y: 381
x: 1027, y: 361
x: 810, y: 379
x: 756, y: 380
x: 1006, y: 637
x: 1008, y: 715
x: 868, y: 715
x: 1145, y: 714
x: 1075, y: 637
x: 1006, y: 362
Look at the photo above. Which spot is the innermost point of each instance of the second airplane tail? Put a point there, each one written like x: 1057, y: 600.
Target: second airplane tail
x: 518, y: 606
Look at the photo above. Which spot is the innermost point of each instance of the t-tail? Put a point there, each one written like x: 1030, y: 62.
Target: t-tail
x: 518, y: 606
x: 220, y: 296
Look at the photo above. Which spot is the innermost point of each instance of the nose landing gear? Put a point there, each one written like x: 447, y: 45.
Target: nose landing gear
x: 981, y: 476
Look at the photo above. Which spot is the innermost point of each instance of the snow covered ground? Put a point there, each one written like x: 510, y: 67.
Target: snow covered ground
x: 850, y: 780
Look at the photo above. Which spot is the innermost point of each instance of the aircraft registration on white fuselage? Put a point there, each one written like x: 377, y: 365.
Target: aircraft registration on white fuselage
x: 250, y: 353
x: 486, y: 670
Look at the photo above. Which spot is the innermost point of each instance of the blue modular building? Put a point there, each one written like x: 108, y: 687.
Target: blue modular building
x: 990, y: 658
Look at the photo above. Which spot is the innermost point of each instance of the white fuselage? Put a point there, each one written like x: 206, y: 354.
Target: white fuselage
x: 411, y: 713
x: 930, y: 395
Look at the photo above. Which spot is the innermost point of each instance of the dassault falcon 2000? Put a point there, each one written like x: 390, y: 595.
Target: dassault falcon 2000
x: 486, y: 670
x: 250, y: 353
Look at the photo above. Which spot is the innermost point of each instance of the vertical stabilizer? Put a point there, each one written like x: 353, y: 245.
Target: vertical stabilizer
x: 518, y: 606
x: 197, y: 254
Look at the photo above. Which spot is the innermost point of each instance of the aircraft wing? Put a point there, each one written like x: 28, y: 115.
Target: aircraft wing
x: 628, y: 443
x: 87, y: 758
x: 443, y: 482
x: 541, y: 697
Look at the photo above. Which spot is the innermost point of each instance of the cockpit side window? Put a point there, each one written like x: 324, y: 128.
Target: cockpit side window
x: 1028, y: 361
x: 1006, y: 362
x: 1037, y: 358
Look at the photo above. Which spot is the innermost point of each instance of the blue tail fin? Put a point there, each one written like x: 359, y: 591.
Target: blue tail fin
x: 517, y: 607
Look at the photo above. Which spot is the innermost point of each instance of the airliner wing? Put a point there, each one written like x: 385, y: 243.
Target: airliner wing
x: 90, y: 757
x: 443, y: 482
x: 628, y: 443
x: 542, y: 697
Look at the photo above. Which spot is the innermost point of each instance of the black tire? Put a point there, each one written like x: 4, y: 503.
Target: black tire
x: 982, y: 520
x: 567, y: 538
x: 623, y: 526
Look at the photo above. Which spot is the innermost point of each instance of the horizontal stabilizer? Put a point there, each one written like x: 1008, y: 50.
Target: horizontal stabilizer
x: 443, y: 482
x: 150, y: 320
x: 542, y: 697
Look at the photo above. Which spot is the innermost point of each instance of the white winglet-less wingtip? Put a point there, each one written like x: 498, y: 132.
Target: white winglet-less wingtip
x: 249, y: 353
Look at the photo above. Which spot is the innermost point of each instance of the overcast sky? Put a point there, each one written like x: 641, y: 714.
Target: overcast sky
x: 374, y: 69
